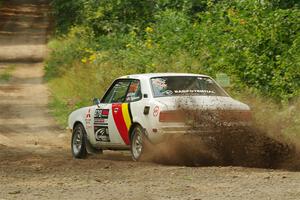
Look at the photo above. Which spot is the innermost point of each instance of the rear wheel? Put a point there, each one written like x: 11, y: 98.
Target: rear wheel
x: 79, y: 142
x: 138, y: 143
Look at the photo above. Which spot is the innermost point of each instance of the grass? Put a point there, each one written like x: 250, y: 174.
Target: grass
x: 6, y: 73
x: 60, y: 111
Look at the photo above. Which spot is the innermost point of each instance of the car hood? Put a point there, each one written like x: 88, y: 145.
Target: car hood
x: 202, y: 102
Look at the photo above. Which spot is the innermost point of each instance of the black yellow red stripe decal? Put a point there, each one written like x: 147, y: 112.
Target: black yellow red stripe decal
x: 129, y: 110
x: 122, y: 119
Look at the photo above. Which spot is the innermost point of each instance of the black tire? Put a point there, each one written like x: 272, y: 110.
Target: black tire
x: 139, y: 142
x: 79, y: 142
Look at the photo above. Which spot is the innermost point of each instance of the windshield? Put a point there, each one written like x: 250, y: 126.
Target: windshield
x: 185, y: 86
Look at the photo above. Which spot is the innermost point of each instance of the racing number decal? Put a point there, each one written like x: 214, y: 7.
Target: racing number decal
x: 155, y: 111
x: 122, y: 119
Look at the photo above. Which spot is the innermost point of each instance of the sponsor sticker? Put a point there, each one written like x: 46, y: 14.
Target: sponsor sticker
x: 194, y: 91
x: 101, y: 113
x: 101, y: 134
x: 155, y: 111
x: 100, y: 121
x: 159, y: 83
x: 88, y: 119
x: 100, y: 125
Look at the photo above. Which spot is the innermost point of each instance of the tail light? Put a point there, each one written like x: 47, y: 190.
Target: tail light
x: 171, y: 116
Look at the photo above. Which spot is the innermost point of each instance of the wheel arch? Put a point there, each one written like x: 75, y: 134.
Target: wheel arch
x: 76, y: 123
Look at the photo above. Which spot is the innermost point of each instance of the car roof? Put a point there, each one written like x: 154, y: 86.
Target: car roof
x: 151, y: 75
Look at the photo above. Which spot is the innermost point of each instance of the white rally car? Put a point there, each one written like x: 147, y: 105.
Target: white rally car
x: 148, y: 107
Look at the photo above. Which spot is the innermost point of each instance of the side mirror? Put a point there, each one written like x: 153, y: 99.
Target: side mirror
x: 96, y: 101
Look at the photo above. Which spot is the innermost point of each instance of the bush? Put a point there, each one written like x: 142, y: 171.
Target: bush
x: 67, y: 14
x: 66, y: 49
x: 257, y: 44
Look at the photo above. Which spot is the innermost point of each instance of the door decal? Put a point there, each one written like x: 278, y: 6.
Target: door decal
x: 122, y: 119
x: 101, y: 126
x: 126, y: 115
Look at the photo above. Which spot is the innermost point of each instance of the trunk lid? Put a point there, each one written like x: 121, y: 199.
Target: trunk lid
x: 202, y: 103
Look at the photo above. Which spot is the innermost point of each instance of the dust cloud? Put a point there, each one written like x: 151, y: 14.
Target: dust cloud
x: 223, y: 144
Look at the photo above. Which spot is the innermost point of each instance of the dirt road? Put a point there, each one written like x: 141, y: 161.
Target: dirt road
x: 35, y: 160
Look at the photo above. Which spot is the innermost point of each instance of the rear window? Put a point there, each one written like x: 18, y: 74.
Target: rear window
x: 185, y: 86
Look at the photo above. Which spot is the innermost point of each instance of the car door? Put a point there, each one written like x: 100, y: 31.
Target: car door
x: 121, y: 111
x: 117, y: 100
x: 105, y: 129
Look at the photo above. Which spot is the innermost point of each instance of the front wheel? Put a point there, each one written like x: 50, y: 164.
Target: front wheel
x: 138, y: 143
x: 79, y: 142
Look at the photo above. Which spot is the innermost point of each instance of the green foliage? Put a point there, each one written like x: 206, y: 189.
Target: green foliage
x: 4, y: 77
x: 257, y: 43
x: 111, y: 16
x: 67, y: 13
x: 66, y: 49
x: 6, y: 73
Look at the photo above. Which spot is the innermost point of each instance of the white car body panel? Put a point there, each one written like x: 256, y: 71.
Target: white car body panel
x: 133, y: 113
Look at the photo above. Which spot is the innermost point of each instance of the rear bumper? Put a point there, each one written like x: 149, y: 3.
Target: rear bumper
x: 203, y: 128
x: 165, y: 132
x: 181, y: 130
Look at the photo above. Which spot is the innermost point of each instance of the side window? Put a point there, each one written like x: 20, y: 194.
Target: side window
x: 117, y: 93
x: 134, y: 91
